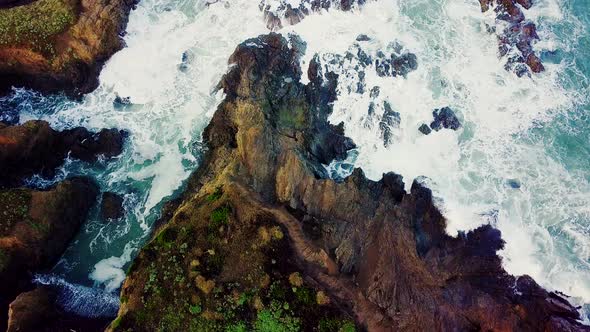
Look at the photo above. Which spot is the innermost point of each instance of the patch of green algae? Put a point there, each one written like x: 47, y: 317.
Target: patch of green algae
x: 208, y: 271
x: 36, y: 24
x: 14, y: 208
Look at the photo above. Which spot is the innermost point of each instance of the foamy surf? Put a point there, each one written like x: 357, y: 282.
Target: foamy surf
x: 161, y: 88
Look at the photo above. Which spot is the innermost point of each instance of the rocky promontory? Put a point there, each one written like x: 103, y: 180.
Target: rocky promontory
x: 264, y: 240
x: 59, y: 45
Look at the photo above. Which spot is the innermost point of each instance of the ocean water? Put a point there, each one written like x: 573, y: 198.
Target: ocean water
x: 534, y: 131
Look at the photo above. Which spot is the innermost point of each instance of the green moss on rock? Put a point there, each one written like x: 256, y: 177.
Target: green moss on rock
x: 237, y: 280
x: 36, y: 24
x: 14, y: 208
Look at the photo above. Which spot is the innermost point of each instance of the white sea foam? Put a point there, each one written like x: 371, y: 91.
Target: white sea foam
x: 468, y: 170
x: 459, y: 67
x: 81, y: 300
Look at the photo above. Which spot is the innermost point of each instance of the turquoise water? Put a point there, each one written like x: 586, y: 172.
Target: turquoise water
x: 535, y: 130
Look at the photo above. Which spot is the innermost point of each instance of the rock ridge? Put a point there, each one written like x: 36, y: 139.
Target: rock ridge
x: 263, y: 237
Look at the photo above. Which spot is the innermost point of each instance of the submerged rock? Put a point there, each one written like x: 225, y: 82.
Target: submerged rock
x: 395, y: 65
x: 284, y: 12
x: 262, y: 234
x: 389, y: 121
x: 362, y: 38
x: 64, y: 44
x: 425, y: 129
x: 34, y: 147
x: 513, y: 183
x: 444, y: 118
x: 111, y: 206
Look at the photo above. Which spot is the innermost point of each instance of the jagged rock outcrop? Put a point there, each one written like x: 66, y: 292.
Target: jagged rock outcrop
x: 59, y: 45
x: 111, y: 206
x: 444, y: 118
x: 35, y: 148
x: 264, y: 238
x: 516, y: 39
x: 36, y: 227
x: 283, y: 12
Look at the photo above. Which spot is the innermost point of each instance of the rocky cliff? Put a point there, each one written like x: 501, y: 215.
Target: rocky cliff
x: 59, y: 45
x: 263, y: 240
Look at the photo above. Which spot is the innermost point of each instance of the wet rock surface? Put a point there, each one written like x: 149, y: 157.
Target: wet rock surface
x: 515, y: 41
x: 111, y: 206
x: 280, y: 13
x: 425, y: 129
x: 38, y: 311
x: 64, y: 45
x: 36, y: 228
x: 444, y: 118
x: 35, y: 148
x: 264, y: 237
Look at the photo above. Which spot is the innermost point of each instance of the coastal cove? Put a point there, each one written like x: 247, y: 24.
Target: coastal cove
x: 317, y: 165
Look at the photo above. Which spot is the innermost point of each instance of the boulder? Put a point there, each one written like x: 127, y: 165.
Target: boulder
x: 32, y: 311
x: 35, y: 148
x: 395, y: 64
x: 425, y: 129
x: 389, y: 121
x: 444, y: 118
x: 38, y: 310
x: 284, y: 12
x: 111, y: 206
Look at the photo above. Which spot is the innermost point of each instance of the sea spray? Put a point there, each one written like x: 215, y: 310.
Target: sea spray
x: 81, y: 300
x: 161, y: 88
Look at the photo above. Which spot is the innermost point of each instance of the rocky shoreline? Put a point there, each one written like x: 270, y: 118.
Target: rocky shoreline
x: 262, y: 238
x: 265, y: 238
x: 37, y: 225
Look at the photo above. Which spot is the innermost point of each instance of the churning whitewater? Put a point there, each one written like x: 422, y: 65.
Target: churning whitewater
x: 520, y: 160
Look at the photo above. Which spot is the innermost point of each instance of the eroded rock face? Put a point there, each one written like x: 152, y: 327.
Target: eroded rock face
x: 516, y: 40
x: 261, y: 211
x: 68, y: 43
x: 34, y: 147
x: 36, y: 228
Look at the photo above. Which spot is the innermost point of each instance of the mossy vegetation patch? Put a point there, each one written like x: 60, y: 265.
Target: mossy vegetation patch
x: 35, y: 24
x: 4, y: 259
x: 14, y: 208
x: 211, y: 271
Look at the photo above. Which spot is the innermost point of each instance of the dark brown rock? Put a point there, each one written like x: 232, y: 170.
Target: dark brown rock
x: 35, y: 148
x: 111, y: 207
x: 32, y: 311
x: 38, y: 311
